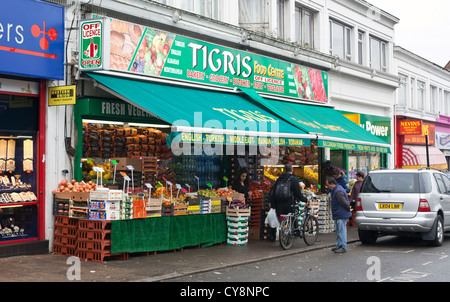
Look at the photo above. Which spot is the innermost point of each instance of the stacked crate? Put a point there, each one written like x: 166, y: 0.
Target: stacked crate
x: 325, y: 218
x: 257, y: 218
x: 94, y: 240
x: 65, y: 235
x: 237, y: 230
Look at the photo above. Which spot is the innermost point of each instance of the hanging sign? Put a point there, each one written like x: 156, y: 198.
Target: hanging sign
x: 62, y: 95
x: 93, y: 48
x: 410, y: 127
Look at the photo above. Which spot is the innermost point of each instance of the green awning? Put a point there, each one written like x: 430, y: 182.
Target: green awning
x: 332, y: 129
x: 200, y: 115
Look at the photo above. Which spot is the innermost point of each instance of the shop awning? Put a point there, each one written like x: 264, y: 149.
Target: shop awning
x: 201, y: 115
x: 331, y: 128
x: 415, y: 157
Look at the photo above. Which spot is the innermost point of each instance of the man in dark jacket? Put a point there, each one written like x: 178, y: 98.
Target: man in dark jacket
x: 341, y: 180
x: 340, y: 210
x: 285, y: 207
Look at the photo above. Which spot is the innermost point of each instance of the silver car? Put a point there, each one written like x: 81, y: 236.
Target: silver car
x: 404, y: 202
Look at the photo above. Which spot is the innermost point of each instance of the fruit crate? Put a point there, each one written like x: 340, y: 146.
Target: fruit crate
x: 238, y: 212
x: 92, y: 245
x: 65, y: 221
x: 100, y: 256
x: 62, y: 240
x: 87, y: 225
x: 94, y: 235
x: 70, y: 231
x: 63, y: 250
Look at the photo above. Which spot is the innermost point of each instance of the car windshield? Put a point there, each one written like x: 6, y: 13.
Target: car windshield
x: 391, y: 183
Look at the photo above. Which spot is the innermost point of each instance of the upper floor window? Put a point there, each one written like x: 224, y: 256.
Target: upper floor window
x: 378, y: 54
x: 280, y: 18
x: 446, y: 105
x: 361, y: 47
x: 402, y: 91
x: 420, y: 95
x: 434, y: 99
x: 207, y: 8
x: 340, y: 40
x: 253, y: 15
x: 304, y: 26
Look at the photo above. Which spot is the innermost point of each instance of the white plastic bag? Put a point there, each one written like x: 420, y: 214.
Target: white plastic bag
x: 272, y: 218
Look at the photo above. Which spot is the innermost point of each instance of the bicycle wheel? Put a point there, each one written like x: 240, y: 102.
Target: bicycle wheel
x: 286, y: 238
x: 310, y: 230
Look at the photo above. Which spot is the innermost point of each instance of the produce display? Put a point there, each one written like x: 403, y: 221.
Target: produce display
x: 74, y: 186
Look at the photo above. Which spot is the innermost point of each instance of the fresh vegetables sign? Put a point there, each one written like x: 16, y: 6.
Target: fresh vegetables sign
x: 148, y: 51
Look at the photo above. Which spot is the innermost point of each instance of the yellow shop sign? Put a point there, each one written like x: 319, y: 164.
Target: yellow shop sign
x: 62, y: 95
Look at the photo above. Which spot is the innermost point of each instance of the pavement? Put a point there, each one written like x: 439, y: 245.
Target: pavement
x: 155, y: 267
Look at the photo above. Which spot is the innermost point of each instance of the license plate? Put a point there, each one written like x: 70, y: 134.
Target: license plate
x: 389, y: 206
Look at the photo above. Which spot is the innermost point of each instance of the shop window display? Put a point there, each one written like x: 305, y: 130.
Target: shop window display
x: 18, y: 169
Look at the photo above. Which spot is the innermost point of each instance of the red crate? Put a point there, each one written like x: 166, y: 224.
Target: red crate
x: 94, y: 235
x: 86, y: 224
x: 92, y: 245
x: 63, y: 240
x: 63, y: 250
x: 99, y: 256
x: 65, y: 221
x: 70, y: 231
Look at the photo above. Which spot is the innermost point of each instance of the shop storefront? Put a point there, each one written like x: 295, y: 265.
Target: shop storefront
x: 443, y: 137
x: 183, y: 117
x: 31, y: 52
x: 416, y: 145
x: 364, y: 161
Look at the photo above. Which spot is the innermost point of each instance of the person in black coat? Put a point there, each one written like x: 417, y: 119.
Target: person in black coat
x: 241, y: 183
x: 286, y: 207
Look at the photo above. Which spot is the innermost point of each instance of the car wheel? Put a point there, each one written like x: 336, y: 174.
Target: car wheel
x: 439, y: 232
x: 368, y: 237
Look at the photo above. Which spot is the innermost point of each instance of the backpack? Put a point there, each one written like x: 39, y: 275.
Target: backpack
x: 283, y: 190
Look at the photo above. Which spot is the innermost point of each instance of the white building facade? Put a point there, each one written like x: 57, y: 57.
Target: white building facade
x: 351, y: 40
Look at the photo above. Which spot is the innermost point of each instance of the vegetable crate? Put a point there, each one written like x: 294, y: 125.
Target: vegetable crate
x: 238, y: 212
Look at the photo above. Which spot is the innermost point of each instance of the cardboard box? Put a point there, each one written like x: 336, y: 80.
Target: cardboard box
x: 104, y: 205
x: 106, y: 195
x: 104, y: 215
x: 123, y: 162
x: 76, y: 196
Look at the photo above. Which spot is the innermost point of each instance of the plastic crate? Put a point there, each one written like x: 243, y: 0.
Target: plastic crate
x: 86, y: 224
x: 64, y: 250
x: 92, y: 245
x: 65, y: 221
x: 63, y: 240
x: 94, y: 234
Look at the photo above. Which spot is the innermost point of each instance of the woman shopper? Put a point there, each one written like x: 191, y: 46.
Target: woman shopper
x: 354, y: 195
x: 340, y: 210
x: 241, y: 183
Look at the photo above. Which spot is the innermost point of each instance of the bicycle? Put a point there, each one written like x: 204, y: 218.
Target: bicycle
x: 308, y: 228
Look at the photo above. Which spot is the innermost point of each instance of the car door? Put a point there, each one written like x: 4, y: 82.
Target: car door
x: 446, y: 201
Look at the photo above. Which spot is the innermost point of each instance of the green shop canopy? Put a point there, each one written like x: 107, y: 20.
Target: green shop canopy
x: 200, y: 115
x: 332, y: 129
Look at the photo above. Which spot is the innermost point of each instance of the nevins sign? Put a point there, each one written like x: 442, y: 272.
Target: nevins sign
x: 410, y: 127
x: 32, y: 39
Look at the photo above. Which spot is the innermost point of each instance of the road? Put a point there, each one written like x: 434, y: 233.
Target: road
x: 391, y: 259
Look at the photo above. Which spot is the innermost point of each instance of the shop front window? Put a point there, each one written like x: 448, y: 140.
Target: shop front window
x: 362, y: 161
x: 18, y: 168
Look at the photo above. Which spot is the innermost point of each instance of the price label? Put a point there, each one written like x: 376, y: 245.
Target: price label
x: 113, y: 161
x: 178, y: 186
x: 209, y: 185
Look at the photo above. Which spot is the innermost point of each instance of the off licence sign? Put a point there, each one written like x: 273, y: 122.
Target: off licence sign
x: 408, y: 127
